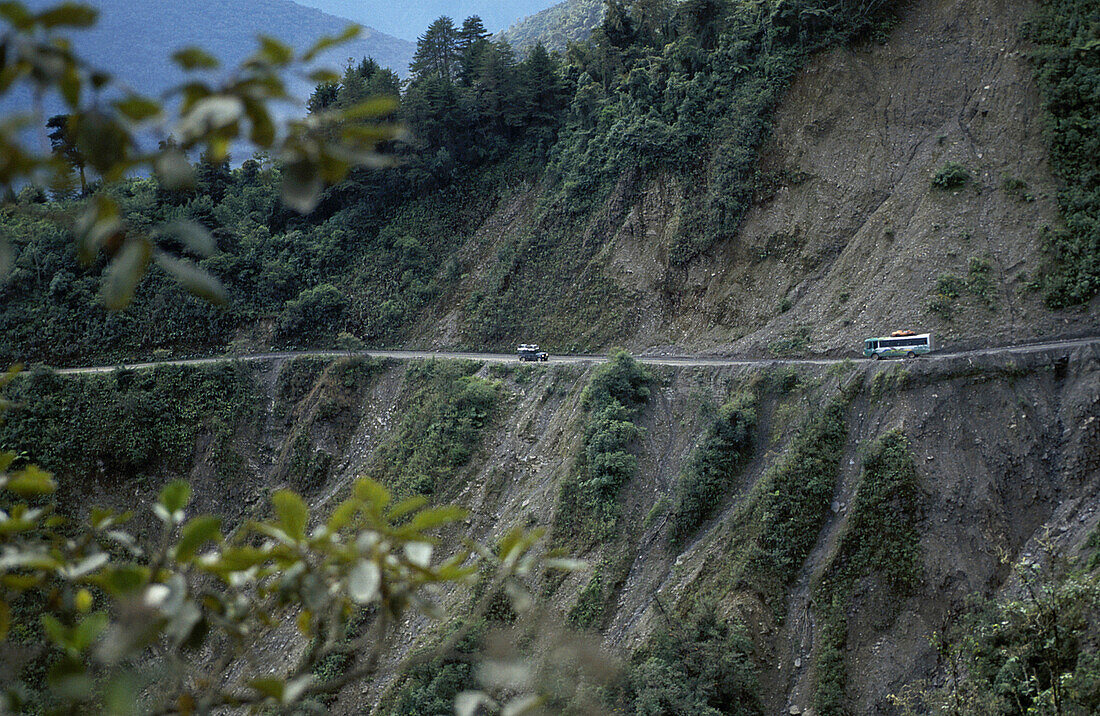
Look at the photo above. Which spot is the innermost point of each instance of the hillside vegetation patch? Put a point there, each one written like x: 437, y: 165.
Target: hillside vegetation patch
x: 880, y: 541
x: 448, y: 410
x: 713, y: 465
x: 1066, y: 35
x: 128, y: 425
x: 613, y: 402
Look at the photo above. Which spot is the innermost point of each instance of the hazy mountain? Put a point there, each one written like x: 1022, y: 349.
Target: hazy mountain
x: 409, y: 20
x: 556, y: 26
x: 134, y: 38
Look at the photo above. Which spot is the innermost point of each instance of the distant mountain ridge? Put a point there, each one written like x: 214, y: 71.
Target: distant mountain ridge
x: 134, y: 39
x: 410, y: 20
x: 557, y: 26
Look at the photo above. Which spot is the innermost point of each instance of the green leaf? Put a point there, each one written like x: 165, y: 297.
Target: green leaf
x: 123, y: 579
x: 6, y: 459
x: 194, y: 236
x: 17, y: 14
x: 55, y: 630
x: 372, y: 108
x: 124, y: 274
x: 406, y: 506
x: 291, y: 512
x: 302, y: 185
x: 69, y: 14
x: 435, y: 517
x: 263, y: 128
x: 5, y: 620
x: 269, y: 687
x: 32, y: 481
x: 197, y: 533
x: 350, y: 33
x: 175, y: 496
x: 323, y: 76
x: 88, y: 630
x: 195, y: 58
x: 211, y: 114
x: 138, y: 108
x: 275, y: 52
x: 373, y: 493
x: 196, y: 280
x: 70, y: 84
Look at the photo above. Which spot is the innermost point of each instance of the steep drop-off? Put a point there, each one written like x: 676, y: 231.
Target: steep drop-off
x: 1004, y: 452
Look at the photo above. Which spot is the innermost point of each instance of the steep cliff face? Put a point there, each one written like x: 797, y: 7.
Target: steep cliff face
x: 847, y: 236
x: 1003, y: 447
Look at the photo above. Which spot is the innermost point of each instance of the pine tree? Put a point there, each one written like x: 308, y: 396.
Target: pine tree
x: 63, y: 144
x: 473, y: 43
x: 437, y: 51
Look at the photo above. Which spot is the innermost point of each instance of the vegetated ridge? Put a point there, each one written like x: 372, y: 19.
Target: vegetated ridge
x: 409, y: 20
x: 556, y: 26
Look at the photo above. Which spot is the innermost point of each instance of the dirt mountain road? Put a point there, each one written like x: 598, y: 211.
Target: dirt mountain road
x: 670, y: 360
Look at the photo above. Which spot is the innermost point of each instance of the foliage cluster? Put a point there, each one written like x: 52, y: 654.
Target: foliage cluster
x: 1067, y: 66
x: 713, y: 465
x: 449, y: 409
x: 660, y: 85
x: 690, y: 87
x: 699, y: 665
x: 1035, y: 652
x: 949, y: 287
x: 173, y: 629
x: 951, y: 175
x: 557, y: 26
x: 127, y: 424
x: 800, y: 490
x: 612, y: 401
x: 880, y: 542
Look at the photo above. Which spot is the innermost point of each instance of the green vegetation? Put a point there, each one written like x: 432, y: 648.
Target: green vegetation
x: 557, y: 26
x: 778, y: 523
x: 800, y: 490
x: 128, y: 425
x: 951, y: 175
x: 612, y: 402
x: 713, y: 466
x: 793, y: 343
x: 662, y: 86
x: 886, y: 382
x: 978, y: 283
x: 1017, y: 187
x: 1067, y: 68
x: 1032, y: 653
x: 880, y: 542
x: 588, y: 611
x: 448, y: 410
x: 697, y: 666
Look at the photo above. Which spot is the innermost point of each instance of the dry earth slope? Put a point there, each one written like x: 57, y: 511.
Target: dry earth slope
x: 847, y: 237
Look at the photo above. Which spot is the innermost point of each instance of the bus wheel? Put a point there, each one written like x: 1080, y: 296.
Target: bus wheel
x: 875, y: 356
x: 910, y: 354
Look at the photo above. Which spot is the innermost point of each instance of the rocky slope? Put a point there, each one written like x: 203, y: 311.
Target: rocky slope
x: 1005, y: 449
x: 847, y: 236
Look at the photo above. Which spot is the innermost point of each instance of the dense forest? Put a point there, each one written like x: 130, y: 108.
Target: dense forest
x: 686, y: 88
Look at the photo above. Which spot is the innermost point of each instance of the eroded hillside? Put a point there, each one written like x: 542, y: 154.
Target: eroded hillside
x: 847, y: 234
x: 1001, y: 454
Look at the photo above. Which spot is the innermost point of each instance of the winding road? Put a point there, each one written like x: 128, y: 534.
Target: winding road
x: 651, y: 359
